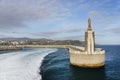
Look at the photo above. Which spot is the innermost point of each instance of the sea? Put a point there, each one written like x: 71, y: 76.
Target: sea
x: 53, y: 64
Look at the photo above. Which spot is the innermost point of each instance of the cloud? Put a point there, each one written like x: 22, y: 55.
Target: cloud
x: 57, y: 32
x: 115, y: 30
x: 93, y: 13
x: 14, y: 13
x: 13, y: 34
x: 100, y: 35
x: 74, y: 37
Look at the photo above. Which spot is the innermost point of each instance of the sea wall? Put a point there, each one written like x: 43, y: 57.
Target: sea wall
x: 87, y: 60
x: 4, y: 48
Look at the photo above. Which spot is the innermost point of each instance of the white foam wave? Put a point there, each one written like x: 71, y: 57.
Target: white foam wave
x: 22, y: 65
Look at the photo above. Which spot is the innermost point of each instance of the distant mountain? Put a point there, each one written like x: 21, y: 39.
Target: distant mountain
x: 22, y: 39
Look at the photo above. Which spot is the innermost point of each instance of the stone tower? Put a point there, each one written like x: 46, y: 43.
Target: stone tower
x: 89, y: 56
x: 89, y: 39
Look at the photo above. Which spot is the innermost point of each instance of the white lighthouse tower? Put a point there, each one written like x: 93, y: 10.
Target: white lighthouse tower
x: 89, y: 39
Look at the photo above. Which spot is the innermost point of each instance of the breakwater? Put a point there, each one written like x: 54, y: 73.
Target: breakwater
x: 3, y: 48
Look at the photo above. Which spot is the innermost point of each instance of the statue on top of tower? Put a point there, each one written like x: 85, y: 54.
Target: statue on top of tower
x: 89, y: 24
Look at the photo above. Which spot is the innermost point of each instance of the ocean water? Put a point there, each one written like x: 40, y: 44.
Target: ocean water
x: 53, y: 64
x: 56, y: 66
x: 22, y: 64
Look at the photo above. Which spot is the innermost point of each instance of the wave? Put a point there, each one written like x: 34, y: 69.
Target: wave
x: 23, y: 65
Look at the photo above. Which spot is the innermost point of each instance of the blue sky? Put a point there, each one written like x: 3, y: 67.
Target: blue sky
x: 60, y: 19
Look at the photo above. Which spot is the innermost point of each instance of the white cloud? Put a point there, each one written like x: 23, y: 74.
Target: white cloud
x: 13, y: 34
x: 13, y: 13
x: 56, y: 32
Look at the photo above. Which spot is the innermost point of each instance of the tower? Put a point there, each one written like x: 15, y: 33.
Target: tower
x: 89, y: 39
x: 90, y: 57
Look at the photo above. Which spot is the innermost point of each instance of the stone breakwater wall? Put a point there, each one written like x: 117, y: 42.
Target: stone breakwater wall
x: 81, y: 59
x: 4, y: 48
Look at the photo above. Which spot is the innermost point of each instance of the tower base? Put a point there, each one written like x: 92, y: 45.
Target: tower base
x: 98, y: 65
x: 88, y: 60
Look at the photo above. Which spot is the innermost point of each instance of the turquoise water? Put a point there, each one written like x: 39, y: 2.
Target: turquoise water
x: 56, y: 66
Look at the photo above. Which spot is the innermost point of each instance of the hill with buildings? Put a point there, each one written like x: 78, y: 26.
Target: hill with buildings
x: 43, y: 41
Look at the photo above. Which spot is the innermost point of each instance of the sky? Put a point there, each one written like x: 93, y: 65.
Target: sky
x: 60, y: 19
